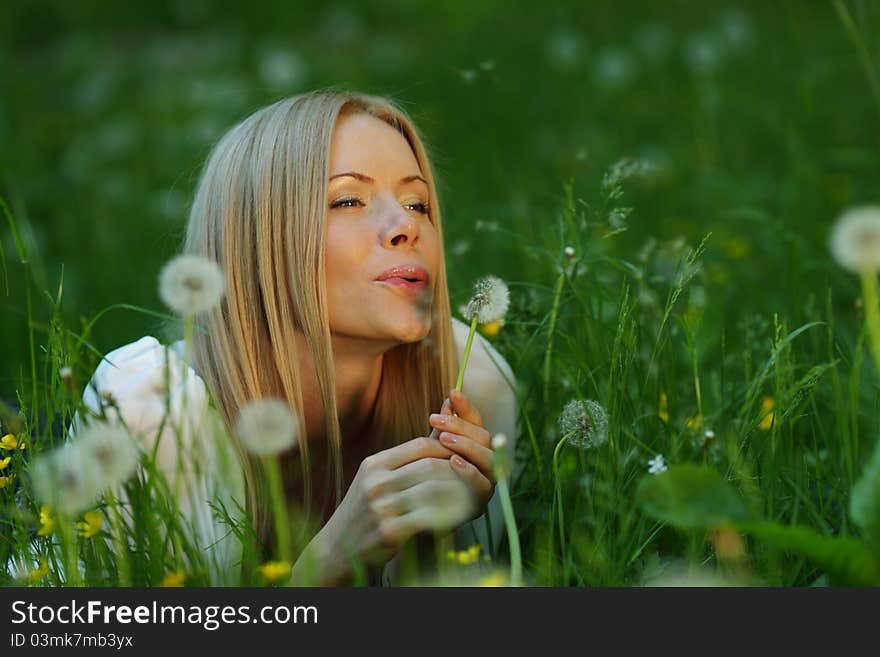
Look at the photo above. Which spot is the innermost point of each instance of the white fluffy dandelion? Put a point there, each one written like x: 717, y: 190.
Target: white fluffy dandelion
x: 855, y: 239
x: 191, y: 284
x: 657, y: 465
x: 267, y: 427
x: 66, y: 479
x: 490, y: 300
x: 499, y: 441
x: 585, y: 421
x: 112, y: 450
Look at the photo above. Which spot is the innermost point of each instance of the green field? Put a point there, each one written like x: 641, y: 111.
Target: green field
x: 693, y: 155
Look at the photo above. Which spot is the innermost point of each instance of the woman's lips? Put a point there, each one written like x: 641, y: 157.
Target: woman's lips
x: 410, y: 287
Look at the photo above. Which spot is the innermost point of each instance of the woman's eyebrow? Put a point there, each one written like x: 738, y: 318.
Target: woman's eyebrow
x: 367, y: 179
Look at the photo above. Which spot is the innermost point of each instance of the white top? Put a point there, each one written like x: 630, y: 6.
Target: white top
x: 209, y: 470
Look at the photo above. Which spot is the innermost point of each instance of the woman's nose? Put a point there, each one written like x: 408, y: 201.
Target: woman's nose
x: 401, y: 228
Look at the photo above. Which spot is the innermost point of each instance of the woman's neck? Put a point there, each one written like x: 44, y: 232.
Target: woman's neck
x: 358, y: 371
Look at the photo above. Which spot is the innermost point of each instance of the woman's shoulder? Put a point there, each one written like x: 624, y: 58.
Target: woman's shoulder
x: 135, y: 377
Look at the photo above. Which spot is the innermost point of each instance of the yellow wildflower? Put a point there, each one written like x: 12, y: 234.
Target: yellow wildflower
x: 91, y: 525
x: 37, y: 574
x: 728, y: 544
x: 694, y: 422
x: 47, y: 522
x: 491, y: 329
x: 5, y: 462
x: 174, y: 578
x: 495, y: 579
x: 663, y: 413
x: 9, y: 442
x: 738, y: 248
x: 766, y: 413
x: 274, y: 571
x: 5, y: 481
x: 465, y: 557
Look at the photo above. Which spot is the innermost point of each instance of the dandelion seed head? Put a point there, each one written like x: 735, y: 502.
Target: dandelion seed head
x: 111, y: 449
x: 499, y: 441
x: 191, y: 284
x: 569, y: 252
x: 585, y: 421
x: 490, y: 300
x: 267, y: 427
x: 855, y: 239
x: 65, y: 479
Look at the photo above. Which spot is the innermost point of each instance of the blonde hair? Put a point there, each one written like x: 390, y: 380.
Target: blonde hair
x: 260, y: 211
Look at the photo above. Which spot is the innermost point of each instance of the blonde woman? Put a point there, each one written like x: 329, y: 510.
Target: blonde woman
x: 323, y: 214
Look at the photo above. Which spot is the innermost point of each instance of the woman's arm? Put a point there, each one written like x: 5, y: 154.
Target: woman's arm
x: 192, y: 453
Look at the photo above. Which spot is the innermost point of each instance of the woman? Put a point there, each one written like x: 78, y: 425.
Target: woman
x: 315, y: 208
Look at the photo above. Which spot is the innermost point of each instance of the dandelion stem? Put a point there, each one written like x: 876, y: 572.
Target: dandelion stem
x: 559, y: 512
x: 119, y: 540
x: 467, y: 353
x: 279, y: 510
x: 872, y: 312
x: 512, y: 535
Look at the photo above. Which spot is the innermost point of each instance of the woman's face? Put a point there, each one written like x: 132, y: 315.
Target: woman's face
x: 377, y: 218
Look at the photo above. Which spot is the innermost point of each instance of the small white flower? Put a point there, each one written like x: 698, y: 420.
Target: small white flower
x: 499, y: 440
x: 490, y: 300
x: 855, y: 239
x: 112, y: 451
x: 267, y: 427
x: 585, y: 421
x: 65, y: 373
x: 191, y: 284
x: 709, y: 435
x: 657, y: 465
x: 569, y: 252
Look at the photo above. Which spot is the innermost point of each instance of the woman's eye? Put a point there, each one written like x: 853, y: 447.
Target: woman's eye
x: 421, y: 208
x: 345, y: 203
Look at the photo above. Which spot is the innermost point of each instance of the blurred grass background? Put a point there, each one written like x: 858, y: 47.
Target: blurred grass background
x: 756, y: 117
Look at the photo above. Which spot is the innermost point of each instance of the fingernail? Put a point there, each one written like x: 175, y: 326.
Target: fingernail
x: 437, y: 418
x: 448, y: 438
x: 457, y: 460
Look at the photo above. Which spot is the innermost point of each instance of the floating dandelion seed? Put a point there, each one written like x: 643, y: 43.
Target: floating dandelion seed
x: 657, y: 465
x: 585, y: 421
x: 490, y: 300
x: 267, y: 427
x: 191, y: 284
x: 855, y: 239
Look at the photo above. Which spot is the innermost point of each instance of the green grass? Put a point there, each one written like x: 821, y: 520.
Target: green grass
x: 711, y: 283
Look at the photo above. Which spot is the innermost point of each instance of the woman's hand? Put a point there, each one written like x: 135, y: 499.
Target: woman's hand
x: 468, y: 438
x: 395, y: 494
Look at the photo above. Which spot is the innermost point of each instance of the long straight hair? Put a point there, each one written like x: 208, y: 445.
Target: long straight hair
x: 260, y: 212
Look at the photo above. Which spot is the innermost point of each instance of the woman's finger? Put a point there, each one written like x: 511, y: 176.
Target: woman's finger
x: 459, y: 425
x: 472, y: 475
x: 471, y: 450
x: 463, y: 407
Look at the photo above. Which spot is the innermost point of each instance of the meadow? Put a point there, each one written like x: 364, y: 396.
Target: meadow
x: 656, y: 185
